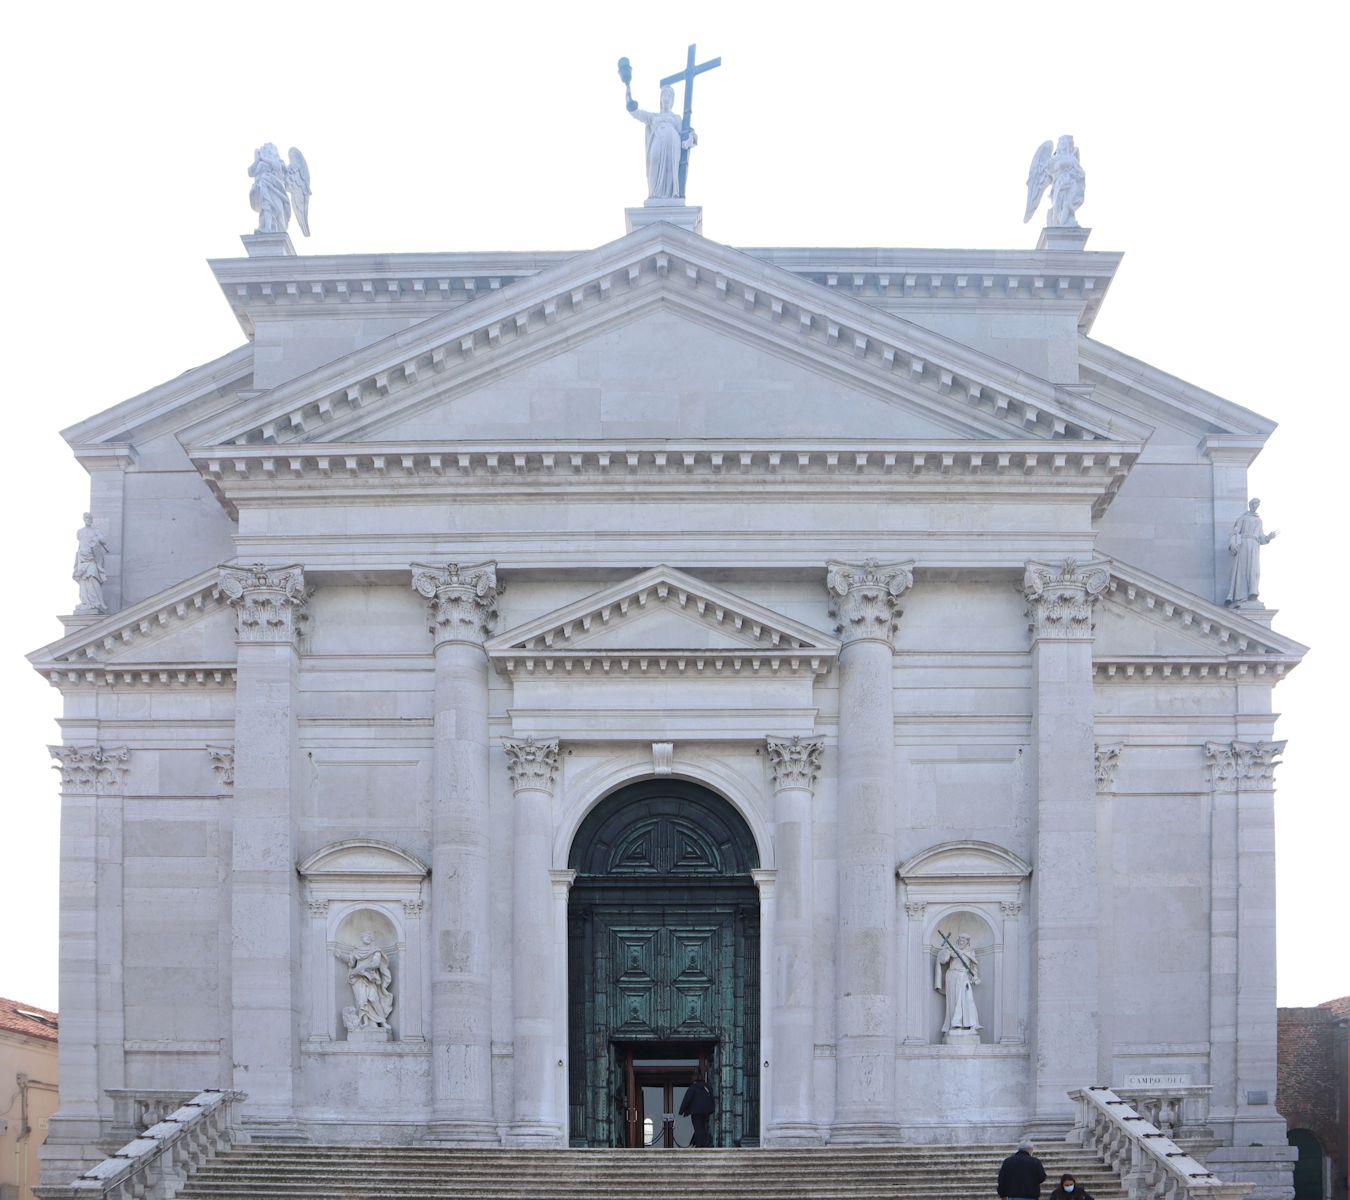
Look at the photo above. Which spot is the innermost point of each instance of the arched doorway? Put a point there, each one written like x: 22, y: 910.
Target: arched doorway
x: 663, y: 966
x: 1309, y: 1169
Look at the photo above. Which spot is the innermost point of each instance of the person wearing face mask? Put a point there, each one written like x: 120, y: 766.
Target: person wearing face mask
x: 1069, y: 1190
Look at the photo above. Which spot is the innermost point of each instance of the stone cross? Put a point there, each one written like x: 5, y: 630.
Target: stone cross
x: 687, y: 75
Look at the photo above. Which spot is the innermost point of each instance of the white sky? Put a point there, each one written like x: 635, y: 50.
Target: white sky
x: 1212, y: 136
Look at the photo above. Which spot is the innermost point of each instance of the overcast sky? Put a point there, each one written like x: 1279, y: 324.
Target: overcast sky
x: 1212, y: 141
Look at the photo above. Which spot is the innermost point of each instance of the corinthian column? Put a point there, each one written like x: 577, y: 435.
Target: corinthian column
x: 1064, y: 898
x: 532, y: 765
x: 794, y: 765
x: 462, y: 602
x: 264, y: 820
x: 864, y: 598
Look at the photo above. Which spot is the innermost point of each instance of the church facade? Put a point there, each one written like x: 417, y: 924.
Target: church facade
x: 527, y: 680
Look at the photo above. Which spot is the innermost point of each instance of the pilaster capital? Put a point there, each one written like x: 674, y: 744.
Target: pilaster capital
x: 89, y: 768
x: 794, y: 762
x: 865, y: 597
x: 915, y: 909
x: 1235, y: 764
x: 1105, y: 763
x: 461, y: 599
x: 532, y: 763
x: 222, y: 762
x: 269, y: 602
x: 1060, y: 598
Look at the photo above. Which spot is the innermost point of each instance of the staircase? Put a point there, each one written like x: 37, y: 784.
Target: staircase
x: 273, y: 1171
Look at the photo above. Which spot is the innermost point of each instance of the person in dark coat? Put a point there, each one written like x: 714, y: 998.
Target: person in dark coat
x: 1069, y: 1190
x: 698, y: 1105
x: 1021, y: 1175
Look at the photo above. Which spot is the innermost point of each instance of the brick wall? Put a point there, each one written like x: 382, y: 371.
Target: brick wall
x: 1312, y: 1079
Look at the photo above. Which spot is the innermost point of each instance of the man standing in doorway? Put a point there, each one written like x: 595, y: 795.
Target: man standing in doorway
x: 1021, y: 1175
x: 698, y: 1105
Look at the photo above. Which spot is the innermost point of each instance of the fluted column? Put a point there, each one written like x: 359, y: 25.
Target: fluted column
x: 462, y: 602
x: 269, y: 607
x: 1066, y: 1029
x: 536, y: 1120
x: 864, y: 598
x: 794, y: 764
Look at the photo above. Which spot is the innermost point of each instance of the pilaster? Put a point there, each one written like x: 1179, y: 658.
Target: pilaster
x: 536, y: 1120
x: 794, y: 764
x: 462, y: 607
x: 265, y: 918
x: 864, y: 600
x: 1060, y: 600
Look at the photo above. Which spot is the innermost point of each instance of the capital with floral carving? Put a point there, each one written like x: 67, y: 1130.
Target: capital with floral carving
x: 794, y: 762
x: 269, y: 602
x: 865, y: 597
x: 1060, y: 598
x: 89, y: 768
x: 222, y: 762
x: 1105, y: 763
x: 532, y: 763
x: 1234, y: 765
x: 461, y: 599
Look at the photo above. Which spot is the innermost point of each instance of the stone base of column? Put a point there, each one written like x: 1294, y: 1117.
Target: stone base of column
x: 790, y: 1134
x: 463, y: 1133
x: 72, y: 1147
x: 860, y: 1133
x: 530, y: 1136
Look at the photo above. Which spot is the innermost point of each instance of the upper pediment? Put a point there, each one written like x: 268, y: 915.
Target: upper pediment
x: 684, y: 287
x: 664, y: 621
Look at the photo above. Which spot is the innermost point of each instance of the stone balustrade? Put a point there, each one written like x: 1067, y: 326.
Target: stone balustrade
x: 1150, y: 1164
x: 1180, y: 1111
x: 154, y: 1165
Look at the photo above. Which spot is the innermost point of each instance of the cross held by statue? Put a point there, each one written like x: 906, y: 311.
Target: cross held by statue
x: 687, y: 76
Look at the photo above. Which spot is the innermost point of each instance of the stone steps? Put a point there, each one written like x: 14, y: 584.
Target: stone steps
x: 273, y: 1171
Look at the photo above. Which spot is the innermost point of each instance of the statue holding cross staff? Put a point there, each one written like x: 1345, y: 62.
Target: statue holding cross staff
x: 669, y: 138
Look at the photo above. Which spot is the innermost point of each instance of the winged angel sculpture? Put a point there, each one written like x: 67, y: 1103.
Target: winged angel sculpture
x: 1056, y: 168
x: 276, y: 187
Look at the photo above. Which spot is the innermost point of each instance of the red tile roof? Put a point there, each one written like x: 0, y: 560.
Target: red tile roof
x: 17, y: 1017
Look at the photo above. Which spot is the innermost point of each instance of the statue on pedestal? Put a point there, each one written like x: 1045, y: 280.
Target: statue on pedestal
x: 956, y: 971
x: 1244, y: 544
x: 371, y: 980
x: 90, y: 572
x: 669, y: 138
x: 276, y: 186
x: 1057, y: 168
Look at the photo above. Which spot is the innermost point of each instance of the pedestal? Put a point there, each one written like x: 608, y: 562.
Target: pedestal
x: 370, y: 1036
x: 965, y: 1038
x: 268, y: 245
x: 674, y: 212
x: 1063, y: 237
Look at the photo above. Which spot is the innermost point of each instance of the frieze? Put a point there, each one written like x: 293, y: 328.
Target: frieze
x: 865, y: 597
x: 794, y: 762
x: 1235, y: 764
x: 1060, y: 598
x: 532, y: 763
x: 89, y: 768
x: 461, y: 599
x: 268, y: 601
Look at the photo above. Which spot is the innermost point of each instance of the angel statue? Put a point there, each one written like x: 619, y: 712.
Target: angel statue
x: 1056, y: 168
x: 371, y: 981
x: 276, y: 186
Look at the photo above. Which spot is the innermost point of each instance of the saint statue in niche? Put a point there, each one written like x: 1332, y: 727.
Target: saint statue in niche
x: 371, y: 981
x: 663, y: 147
x: 1244, y: 544
x: 956, y: 971
x: 90, y: 572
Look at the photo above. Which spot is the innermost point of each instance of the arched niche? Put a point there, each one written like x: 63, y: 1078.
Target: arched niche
x: 977, y: 888
x: 355, y: 888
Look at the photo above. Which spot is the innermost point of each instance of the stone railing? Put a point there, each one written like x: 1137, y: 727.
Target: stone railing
x: 1179, y: 1112
x: 155, y: 1165
x: 136, y: 1109
x: 1150, y: 1164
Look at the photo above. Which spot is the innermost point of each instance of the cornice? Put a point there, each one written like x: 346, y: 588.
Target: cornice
x: 747, y: 294
x: 1096, y: 469
x: 1192, y: 669
x: 161, y: 675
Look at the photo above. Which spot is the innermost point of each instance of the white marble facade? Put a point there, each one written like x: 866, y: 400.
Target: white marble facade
x: 881, y: 547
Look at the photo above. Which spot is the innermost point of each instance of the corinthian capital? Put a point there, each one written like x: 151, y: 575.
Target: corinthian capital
x: 794, y: 763
x: 461, y: 600
x: 1060, y: 598
x: 865, y: 597
x: 89, y: 768
x: 268, y: 601
x: 1236, y: 764
x: 532, y: 763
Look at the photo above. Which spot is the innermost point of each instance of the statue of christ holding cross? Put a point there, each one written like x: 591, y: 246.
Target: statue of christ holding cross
x: 669, y: 138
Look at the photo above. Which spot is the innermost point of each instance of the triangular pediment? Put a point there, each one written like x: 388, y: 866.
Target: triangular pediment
x: 663, y: 620
x: 946, y: 388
